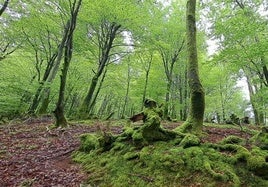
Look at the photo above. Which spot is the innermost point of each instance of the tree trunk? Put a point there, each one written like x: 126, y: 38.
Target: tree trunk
x: 222, y: 104
x: 186, y: 96
x: 194, y: 121
x: 147, y: 71
x: 105, y: 46
x: 40, y: 91
x: 167, y: 100
x: 251, y: 97
x: 127, y: 91
x: 84, y: 110
x: 59, y: 111
x: 91, y: 106
x: 3, y: 8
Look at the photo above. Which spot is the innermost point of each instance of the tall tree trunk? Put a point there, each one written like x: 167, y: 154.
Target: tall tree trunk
x: 186, y: 95
x: 127, y: 91
x: 42, y: 84
x: 222, y: 104
x: 167, y: 100
x: 105, y: 46
x: 147, y: 71
x: 59, y: 111
x: 53, y: 72
x: 251, y: 97
x: 169, y: 62
x: 180, y: 87
x: 3, y: 8
x: 91, y: 106
x: 194, y: 121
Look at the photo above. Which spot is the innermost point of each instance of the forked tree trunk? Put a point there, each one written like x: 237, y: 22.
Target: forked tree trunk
x: 59, y: 111
x: 108, y: 35
x: 147, y: 71
x: 194, y: 121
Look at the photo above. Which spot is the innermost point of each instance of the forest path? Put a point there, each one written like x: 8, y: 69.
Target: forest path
x: 32, y: 155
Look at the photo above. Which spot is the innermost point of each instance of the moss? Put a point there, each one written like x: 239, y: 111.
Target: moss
x: 242, y: 154
x: 261, y: 139
x: 88, y: 142
x: 117, y: 146
x: 189, y: 140
x: 217, y: 176
x: 258, y: 162
x: 166, y: 164
x: 137, y: 137
x: 149, y: 155
x: 106, y: 141
x: 191, y: 126
x: 193, y: 158
x: 232, y: 140
x: 130, y: 156
x: 258, y: 165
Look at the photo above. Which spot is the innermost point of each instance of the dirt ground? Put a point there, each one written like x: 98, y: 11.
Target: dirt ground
x: 33, y: 155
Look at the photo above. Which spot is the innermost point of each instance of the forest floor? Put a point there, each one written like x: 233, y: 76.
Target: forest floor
x: 33, y: 155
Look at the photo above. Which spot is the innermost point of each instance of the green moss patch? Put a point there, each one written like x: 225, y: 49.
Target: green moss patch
x: 233, y: 140
x: 261, y: 139
x: 149, y: 155
x: 182, y: 161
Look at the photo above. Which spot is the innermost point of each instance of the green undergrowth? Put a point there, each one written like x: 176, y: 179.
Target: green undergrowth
x: 129, y: 160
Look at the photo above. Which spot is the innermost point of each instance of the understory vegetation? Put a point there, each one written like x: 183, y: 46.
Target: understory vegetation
x: 186, y: 160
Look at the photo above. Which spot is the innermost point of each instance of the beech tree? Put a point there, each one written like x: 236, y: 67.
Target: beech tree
x: 68, y: 51
x: 106, y: 30
x: 240, y: 28
x: 194, y: 121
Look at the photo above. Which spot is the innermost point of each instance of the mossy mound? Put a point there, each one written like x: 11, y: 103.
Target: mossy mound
x: 180, y: 161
